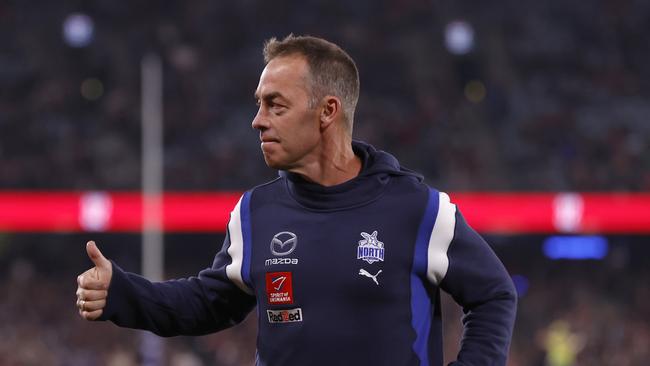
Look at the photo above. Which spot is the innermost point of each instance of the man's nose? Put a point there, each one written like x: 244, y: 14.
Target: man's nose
x: 259, y: 122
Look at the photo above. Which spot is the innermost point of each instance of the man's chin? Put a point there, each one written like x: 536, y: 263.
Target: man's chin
x: 274, y: 164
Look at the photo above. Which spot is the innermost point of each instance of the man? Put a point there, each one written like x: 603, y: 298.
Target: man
x: 344, y: 254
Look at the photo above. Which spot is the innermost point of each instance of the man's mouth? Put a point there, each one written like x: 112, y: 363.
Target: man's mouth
x: 268, y: 140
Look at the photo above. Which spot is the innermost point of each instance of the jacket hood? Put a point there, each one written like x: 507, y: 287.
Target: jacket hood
x: 378, y: 168
x: 380, y: 162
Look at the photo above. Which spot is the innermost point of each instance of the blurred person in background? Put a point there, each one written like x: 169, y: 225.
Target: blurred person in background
x: 344, y: 254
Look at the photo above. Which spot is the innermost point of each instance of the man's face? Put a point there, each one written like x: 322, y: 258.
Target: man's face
x: 289, y: 129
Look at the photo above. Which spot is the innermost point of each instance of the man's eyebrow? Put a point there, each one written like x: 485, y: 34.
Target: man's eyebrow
x: 269, y: 96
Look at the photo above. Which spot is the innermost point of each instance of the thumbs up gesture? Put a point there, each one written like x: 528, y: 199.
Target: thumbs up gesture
x: 92, y: 289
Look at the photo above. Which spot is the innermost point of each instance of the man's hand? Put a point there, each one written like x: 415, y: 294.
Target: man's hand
x: 92, y: 288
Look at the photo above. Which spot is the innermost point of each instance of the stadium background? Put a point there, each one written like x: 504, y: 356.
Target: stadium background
x: 516, y: 97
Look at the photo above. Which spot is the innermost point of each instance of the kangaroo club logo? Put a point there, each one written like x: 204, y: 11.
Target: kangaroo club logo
x: 283, y: 243
x: 370, y: 248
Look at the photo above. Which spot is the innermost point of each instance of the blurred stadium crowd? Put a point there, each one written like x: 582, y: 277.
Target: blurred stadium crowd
x: 552, y: 97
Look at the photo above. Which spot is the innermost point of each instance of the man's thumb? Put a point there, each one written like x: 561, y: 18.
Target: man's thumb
x: 96, y: 256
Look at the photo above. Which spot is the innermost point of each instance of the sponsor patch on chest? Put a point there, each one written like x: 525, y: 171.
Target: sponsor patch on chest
x: 279, y: 288
x: 285, y: 316
x: 283, y: 244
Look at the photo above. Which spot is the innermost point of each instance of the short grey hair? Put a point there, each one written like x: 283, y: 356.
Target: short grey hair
x: 331, y: 70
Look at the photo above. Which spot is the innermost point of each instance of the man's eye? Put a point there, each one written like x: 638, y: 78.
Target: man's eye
x: 278, y: 109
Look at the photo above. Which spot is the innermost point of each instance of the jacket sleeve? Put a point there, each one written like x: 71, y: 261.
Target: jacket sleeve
x: 193, y: 306
x: 215, y: 299
x: 477, y: 280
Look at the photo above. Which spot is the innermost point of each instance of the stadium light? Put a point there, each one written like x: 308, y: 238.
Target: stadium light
x: 459, y: 37
x: 78, y: 30
x: 576, y: 247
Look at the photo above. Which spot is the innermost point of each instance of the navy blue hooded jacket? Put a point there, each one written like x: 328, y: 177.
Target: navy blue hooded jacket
x: 342, y: 275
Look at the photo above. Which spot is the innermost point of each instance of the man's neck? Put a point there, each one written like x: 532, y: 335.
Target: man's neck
x: 336, y: 163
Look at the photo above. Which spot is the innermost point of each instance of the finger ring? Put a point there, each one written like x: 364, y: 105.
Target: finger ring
x: 81, y: 304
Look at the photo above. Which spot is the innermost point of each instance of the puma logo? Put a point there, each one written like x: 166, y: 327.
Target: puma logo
x: 363, y: 272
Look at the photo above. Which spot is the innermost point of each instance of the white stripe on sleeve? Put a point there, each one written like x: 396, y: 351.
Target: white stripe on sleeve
x: 440, y: 239
x: 236, y: 249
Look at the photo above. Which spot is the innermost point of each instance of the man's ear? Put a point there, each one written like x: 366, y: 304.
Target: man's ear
x: 330, y: 111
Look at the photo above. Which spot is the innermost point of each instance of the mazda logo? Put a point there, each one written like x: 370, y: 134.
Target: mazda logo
x: 283, y: 243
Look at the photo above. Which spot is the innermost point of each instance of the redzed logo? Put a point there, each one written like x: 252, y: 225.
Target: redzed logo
x: 285, y: 316
x: 279, y: 288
